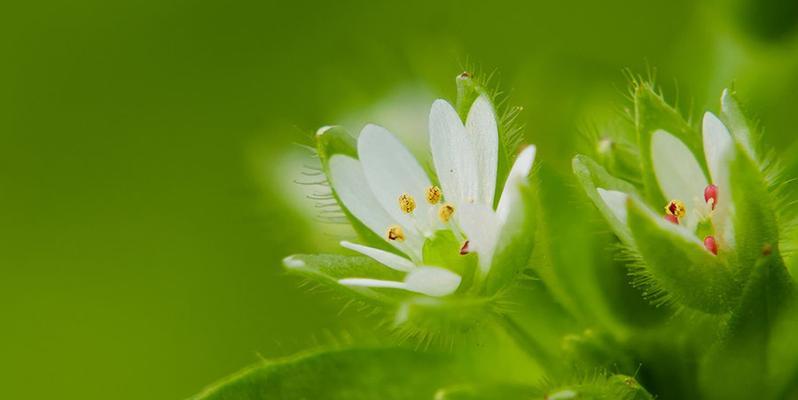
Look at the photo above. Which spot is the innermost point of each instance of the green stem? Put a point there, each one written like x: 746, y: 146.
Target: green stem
x: 522, y: 339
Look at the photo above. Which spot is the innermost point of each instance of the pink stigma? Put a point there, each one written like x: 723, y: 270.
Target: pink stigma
x: 711, y: 193
x: 672, y: 218
x: 711, y: 245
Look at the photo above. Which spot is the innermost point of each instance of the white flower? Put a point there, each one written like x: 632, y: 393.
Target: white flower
x: 387, y: 190
x: 700, y: 209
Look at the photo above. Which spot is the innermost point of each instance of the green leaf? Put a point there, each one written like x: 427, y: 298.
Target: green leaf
x: 516, y: 241
x: 489, y: 392
x: 327, y: 269
x: 350, y: 374
x: 739, y: 368
x: 592, y: 176
x: 679, y: 264
x: 652, y: 112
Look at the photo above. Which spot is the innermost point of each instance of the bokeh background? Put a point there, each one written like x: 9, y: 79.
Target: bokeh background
x: 147, y: 150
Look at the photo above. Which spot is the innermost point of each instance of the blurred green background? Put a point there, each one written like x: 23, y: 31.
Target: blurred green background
x: 146, y: 153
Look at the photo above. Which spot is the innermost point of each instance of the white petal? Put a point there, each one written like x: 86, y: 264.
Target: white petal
x: 365, y: 282
x: 347, y: 180
x: 719, y: 150
x: 481, y: 226
x: 616, y: 202
x: 484, y: 135
x: 519, y: 172
x: 718, y: 147
x: 432, y: 281
x: 679, y: 175
x: 383, y: 257
x: 452, y: 154
x: 390, y: 171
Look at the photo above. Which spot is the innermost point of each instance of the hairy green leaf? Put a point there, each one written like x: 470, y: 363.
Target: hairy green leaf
x: 350, y: 374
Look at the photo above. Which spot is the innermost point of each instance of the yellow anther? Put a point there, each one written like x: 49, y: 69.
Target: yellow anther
x: 676, y: 208
x: 445, y: 212
x: 407, y: 203
x: 433, y: 194
x: 395, y: 232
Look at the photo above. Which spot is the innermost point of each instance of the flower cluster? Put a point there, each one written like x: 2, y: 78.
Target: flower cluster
x: 700, y: 212
x: 464, y: 228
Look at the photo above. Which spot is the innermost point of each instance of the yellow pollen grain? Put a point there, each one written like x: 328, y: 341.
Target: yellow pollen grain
x: 395, y: 232
x: 676, y: 208
x: 407, y: 203
x: 445, y: 212
x: 433, y: 194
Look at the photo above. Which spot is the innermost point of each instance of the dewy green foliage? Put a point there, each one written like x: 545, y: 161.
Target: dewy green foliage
x: 711, y: 313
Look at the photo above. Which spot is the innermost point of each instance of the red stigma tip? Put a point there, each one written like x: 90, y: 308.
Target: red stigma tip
x: 711, y: 193
x: 711, y: 245
x: 672, y: 218
x: 464, y: 249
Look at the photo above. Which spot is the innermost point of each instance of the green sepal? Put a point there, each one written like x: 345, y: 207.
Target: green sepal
x: 350, y: 374
x: 427, y: 319
x: 468, y: 90
x: 592, y: 176
x: 736, y: 121
x: 679, y: 264
x: 332, y: 140
x: 443, y: 250
x: 652, y: 113
x: 516, y: 241
x: 739, y: 367
x: 327, y: 269
x: 753, y: 215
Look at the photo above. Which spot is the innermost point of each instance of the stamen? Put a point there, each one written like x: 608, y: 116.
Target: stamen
x: 711, y: 195
x: 395, y: 232
x: 464, y: 248
x: 672, y: 219
x: 711, y: 245
x: 433, y: 194
x: 445, y: 212
x: 407, y: 203
x: 676, y: 208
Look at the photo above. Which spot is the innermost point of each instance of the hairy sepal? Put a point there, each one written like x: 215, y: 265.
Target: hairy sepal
x: 678, y: 263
